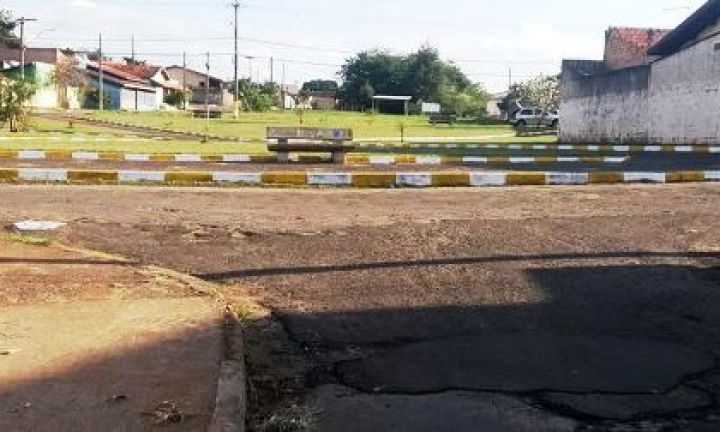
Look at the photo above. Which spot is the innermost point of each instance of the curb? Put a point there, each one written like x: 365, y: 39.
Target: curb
x: 84, y: 155
x: 585, y: 148
x: 231, y: 398
x: 389, y: 179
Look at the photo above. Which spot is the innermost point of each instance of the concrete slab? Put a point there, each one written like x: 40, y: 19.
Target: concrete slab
x: 348, y: 411
x: 527, y: 361
x: 109, y: 365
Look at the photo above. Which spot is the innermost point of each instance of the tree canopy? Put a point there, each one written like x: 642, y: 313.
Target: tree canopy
x: 423, y: 75
x: 7, y: 29
x: 321, y: 86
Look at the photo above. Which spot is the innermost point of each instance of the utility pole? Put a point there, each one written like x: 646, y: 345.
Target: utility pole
x: 133, y: 49
x: 272, y: 70
x: 184, y: 89
x: 22, y: 22
x: 207, y: 97
x: 282, y: 86
x: 510, y: 78
x: 101, y: 94
x: 236, y: 5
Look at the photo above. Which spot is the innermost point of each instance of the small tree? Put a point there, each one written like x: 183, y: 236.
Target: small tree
x: 178, y: 98
x: 69, y: 75
x: 542, y: 92
x: 92, y: 98
x: 14, y: 97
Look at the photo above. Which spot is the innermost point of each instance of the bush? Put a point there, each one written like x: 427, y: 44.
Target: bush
x: 177, y: 98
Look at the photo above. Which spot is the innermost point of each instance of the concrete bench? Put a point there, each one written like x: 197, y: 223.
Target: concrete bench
x: 202, y: 113
x: 442, y: 119
x: 310, y: 140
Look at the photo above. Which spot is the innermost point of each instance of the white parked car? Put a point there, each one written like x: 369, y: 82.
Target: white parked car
x: 534, y: 117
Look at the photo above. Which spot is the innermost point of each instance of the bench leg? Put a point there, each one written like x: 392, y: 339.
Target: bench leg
x: 338, y: 157
x: 283, y: 157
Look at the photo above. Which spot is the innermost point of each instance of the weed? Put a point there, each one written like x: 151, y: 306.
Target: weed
x: 293, y: 418
x: 31, y: 239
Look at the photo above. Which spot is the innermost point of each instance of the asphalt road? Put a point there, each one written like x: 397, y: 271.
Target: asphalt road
x: 523, y: 309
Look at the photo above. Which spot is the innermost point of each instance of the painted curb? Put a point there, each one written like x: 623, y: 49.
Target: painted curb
x: 582, y: 148
x: 389, y: 179
x: 231, y: 396
x: 114, y: 156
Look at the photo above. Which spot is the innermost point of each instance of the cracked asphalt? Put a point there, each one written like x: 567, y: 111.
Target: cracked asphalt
x: 522, y: 309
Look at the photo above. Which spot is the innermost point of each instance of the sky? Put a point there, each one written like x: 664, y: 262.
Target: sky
x: 310, y: 39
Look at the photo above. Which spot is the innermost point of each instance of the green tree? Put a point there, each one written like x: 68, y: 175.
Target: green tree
x: 178, y: 98
x: 541, y: 92
x: 258, y: 97
x: 423, y: 75
x: 14, y: 97
x: 321, y: 86
x: 7, y: 29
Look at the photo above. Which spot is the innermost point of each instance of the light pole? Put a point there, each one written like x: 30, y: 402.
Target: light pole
x: 22, y: 22
x: 236, y: 5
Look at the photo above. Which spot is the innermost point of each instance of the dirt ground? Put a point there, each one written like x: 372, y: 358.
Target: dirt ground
x: 514, y: 309
x: 89, y: 342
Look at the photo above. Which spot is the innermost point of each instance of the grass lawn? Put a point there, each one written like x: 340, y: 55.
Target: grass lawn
x: 253, y: 125
x: 60, y: 135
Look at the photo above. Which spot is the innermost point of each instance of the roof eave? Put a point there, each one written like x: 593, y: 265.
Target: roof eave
x: 704, y: 17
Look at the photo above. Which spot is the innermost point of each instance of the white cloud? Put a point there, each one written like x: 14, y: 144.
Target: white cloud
x: 83, y: 3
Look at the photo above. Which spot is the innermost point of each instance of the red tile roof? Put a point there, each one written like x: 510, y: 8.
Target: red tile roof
x: 141, y: 71
x: 627, y: 47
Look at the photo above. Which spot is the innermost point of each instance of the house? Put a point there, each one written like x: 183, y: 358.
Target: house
x: 322, y: 100
x: 40, y: 67
x: 653, y: 86
x: 157, y: 76
x: 496, y: 104
x: 289, y: 96
x: 196, y: 83
x: 123, y: 91
x: 49, y: 95
x: 11, y: 55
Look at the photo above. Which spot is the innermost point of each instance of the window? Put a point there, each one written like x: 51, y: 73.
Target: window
x: 526, y: 112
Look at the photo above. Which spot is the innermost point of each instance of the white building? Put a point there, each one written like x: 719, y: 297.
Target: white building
x: 671, y: 96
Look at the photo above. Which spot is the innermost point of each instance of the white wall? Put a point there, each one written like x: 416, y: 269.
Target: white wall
x: 603, y: 118
x: 45, y: 97
x: 680, y: 103
x: 609, y: 107
x: 685, y: 96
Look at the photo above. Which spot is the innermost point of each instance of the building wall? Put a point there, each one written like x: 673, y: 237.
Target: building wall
x: 678, y: 104
x: 42, y: 55
x: 610, y: 107
x: 685, y: 95
x: 138, y: 100
x: 627, y: 47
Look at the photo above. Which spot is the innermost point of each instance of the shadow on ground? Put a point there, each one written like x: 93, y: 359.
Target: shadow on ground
x: 109, y: 366
x: 589, y: 346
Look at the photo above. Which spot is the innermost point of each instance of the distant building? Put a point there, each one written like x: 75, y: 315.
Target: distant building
x: 157, y: 76
x: 289, y: 96
x: 653, y: 86
x: 11, y: 56
x: 628, y: 47
x: 495, y: 106
x: 49, y: 94
x: 322, y: 100
x: 196, y: 82
x: 123, y: 90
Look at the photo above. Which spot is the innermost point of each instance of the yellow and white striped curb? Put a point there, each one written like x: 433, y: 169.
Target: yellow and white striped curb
x: 83, y: 155
x: 354, y: 179
x: 584, y: 148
